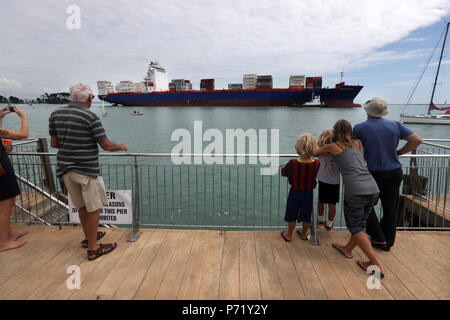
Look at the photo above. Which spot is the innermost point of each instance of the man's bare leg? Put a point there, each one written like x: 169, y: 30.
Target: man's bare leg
x: 92, y: 228
x: 6, y: 207
x: 82, y: 213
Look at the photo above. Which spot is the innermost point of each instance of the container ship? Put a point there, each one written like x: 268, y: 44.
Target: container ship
x: 255, y: 90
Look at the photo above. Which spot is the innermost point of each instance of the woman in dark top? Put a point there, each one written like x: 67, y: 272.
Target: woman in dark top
x: 9, y: 187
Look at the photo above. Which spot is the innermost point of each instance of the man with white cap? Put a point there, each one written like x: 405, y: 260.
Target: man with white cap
x: 76, y: 131
x: 380, y: 138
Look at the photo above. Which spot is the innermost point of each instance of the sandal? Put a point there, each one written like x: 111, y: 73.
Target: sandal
x: 363, y: 266
x: 301, y: 237
x: 102, y: 250
x: 85, y: 243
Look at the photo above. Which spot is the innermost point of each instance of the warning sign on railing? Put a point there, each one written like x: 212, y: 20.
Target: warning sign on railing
x: 118, y: 211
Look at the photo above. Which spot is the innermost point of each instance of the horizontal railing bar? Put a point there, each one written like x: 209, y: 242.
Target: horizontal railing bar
x: 167, y: 155
x: 15, y: 144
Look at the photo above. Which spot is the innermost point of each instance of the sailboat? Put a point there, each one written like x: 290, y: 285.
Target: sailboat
x: 431, y: 118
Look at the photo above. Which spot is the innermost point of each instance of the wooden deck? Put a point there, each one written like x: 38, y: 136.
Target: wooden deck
x: 182, y: 264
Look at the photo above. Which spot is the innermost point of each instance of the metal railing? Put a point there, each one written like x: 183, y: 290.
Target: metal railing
x: 217, y: 196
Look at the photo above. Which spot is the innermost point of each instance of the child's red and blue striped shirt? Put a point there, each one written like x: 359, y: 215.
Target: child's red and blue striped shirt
x: 301, y: 174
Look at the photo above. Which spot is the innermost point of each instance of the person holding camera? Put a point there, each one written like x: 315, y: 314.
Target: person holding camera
x: 9, y: 188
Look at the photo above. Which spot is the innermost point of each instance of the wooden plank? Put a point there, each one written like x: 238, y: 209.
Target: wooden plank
x: 327, y: 276
x: 191, y: 282
x: 250, y: 288
x: 171, y: 282
x: 109, y: 286
x: 435, y: 205
x: 229, y: 273
x: 8, y: 257
x: 59, y: 276
x: 268, y: 276
x: 42, y: 268
x: 30, y: 252
x: 376, y: 294
x: 422, y: 253
x: 422, y: 273
x: 133, y: 279
x: 442, y: 237
x: 355, y: 289
x: 312, y: 287
x: 152, y: 281
x: 209, y: 288
x: 401, y: 271
x: 391, y: 282
x: 439, y: 251
x: 290, y: 283
x: 105, y: 264
x: 86, y: 267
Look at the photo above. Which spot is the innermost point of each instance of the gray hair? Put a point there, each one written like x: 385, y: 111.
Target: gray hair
x: 80, y: 92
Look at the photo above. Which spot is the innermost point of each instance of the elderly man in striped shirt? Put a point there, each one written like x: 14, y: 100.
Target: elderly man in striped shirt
x: 76, y: 132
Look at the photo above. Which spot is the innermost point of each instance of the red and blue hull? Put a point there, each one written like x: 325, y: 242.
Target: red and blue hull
x: 332, y: 97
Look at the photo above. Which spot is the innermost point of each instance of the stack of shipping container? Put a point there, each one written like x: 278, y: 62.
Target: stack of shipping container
x: 314, y: 83
x: 235, y: 86
x: 264, y: 82
x: 207, y: 84
x: 249, y: 82
x: 180, y: 85
x: 297, y: 82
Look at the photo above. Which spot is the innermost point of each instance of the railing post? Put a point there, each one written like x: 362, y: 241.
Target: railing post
x: 49, y: 182
x: 135, y: 234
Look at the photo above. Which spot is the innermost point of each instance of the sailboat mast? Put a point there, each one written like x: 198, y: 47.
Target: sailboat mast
x: 439, y: 66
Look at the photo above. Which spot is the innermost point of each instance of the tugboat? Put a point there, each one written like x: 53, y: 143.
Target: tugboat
x: 137, y: 113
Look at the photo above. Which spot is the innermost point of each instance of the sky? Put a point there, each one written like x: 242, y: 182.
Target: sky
x: 382, y: 45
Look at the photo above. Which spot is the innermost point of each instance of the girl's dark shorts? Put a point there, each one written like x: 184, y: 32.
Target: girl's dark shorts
x: 328, y: 193
x: 299, y: 206
x: 357, y: 209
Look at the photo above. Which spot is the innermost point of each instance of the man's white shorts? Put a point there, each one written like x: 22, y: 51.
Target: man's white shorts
x: 86, y: 191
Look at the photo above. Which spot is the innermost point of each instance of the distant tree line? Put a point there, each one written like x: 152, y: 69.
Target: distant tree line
x: 47, y: 98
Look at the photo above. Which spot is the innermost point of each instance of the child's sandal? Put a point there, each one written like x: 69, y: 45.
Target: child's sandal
x: 102, y: 250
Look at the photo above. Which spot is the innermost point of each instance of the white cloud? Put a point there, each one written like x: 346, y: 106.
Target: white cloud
x: 9, y: 85
x: 201, y: 39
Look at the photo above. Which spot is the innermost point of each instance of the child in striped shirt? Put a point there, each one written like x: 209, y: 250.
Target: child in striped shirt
x: 302, y: 174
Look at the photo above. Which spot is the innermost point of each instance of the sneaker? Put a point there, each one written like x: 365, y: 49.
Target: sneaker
x: 329, y: 228
x: 320, y: 224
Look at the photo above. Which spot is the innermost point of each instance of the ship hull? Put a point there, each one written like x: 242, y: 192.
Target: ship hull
x: 332, y: 97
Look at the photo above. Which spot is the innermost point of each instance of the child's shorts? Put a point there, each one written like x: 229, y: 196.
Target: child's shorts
x: 299, y: 206
x: 328, y: 193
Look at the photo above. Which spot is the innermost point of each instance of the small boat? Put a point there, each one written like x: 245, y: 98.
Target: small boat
x: 315, y: 102
x: 137, y: 113
x: 429, y: 118
x: 104, y: 110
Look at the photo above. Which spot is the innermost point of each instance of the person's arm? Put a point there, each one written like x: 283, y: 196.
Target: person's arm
x: 54, y: 142
x: 328, y: 148
x: 286, y: 169
x: 11, y: 134
x: 110, y: 146
x: 413, y: 141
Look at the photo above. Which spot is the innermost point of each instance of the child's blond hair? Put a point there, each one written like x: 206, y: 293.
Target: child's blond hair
x: 325, y: 137
x: 306, y: 146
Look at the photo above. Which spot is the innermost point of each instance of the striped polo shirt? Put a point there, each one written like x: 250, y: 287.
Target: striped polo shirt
x: 78, y: 131
x: 301, y: 174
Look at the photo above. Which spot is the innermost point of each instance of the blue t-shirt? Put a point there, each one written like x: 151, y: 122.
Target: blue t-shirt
x: 380, y: 138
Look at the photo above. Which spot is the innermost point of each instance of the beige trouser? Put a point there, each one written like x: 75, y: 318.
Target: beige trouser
x: 86, y: 191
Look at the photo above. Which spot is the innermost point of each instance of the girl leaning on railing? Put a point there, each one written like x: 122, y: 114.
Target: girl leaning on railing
x: 9, y: 187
